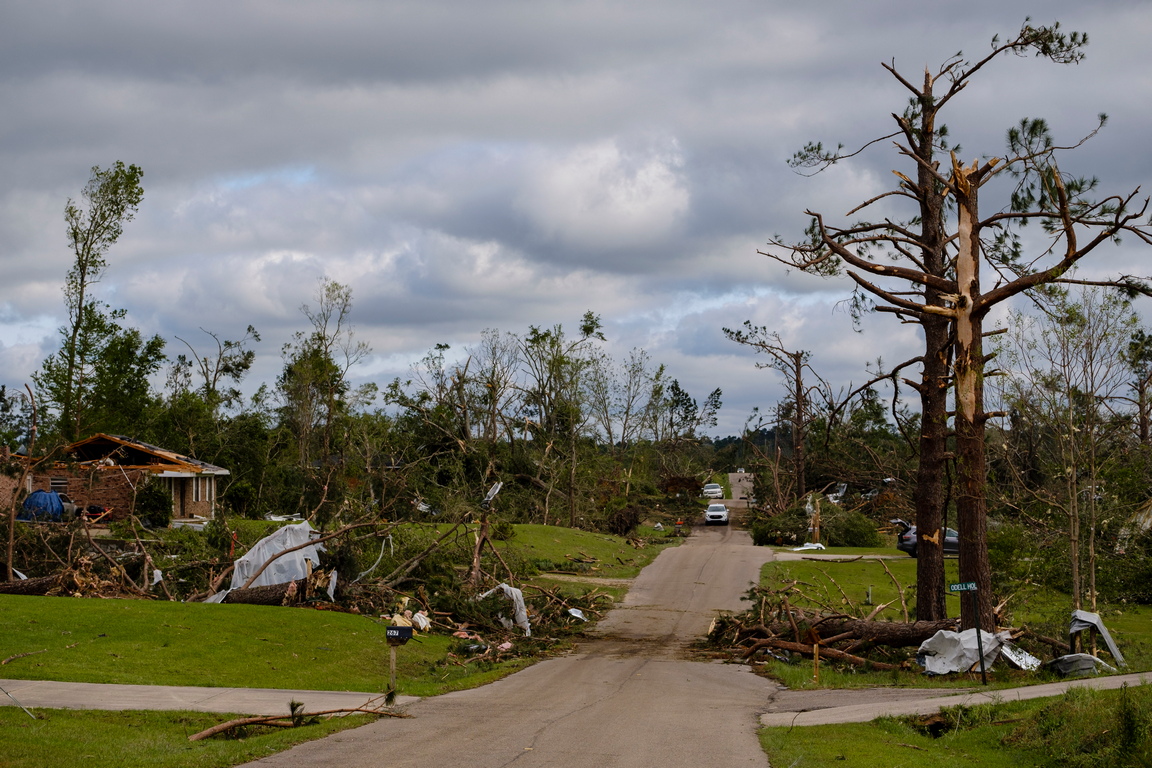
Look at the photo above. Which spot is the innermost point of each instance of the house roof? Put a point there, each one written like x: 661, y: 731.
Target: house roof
x: 117, y: 450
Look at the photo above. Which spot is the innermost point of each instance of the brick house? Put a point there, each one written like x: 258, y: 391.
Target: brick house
x: 104, y: 470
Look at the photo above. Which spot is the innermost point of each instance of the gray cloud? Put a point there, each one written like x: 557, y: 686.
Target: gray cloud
x: 467, y: 166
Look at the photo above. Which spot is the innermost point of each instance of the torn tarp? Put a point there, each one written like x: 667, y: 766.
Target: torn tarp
x: 947, y: 652
x: 519, y: 610
x: 290, y: 567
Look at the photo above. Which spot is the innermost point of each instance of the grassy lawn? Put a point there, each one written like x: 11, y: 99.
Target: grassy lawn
x: 892, y: 742
x: 1082, y: 729
x: 97, y: 739
x: 143, y: 642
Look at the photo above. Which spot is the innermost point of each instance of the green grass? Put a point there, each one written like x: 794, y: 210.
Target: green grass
x: 142, y: 642
x: 1081, y: 729
x: 99, y: 739
x: 844, y: 585
x: 551, y: 548
x: 892, y: 742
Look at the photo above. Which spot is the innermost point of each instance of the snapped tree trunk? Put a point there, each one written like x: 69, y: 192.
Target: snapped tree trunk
x: 971, y: 504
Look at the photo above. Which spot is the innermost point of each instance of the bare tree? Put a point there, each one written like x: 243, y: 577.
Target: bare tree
x: 924, y: 273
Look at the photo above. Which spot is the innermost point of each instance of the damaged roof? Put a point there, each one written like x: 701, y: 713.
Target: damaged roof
x: 118, y: 450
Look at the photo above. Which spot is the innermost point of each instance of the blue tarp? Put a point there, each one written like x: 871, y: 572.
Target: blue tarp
x: 44, y: 506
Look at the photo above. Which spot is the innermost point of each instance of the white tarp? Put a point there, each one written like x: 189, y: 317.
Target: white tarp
x: 520, y: 611
x: 947, y: 652
x: 289, y: 567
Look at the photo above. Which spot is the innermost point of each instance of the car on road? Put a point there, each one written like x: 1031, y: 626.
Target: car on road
x: 713, y: 491
x: 906, y: 539
x: 716, y: 514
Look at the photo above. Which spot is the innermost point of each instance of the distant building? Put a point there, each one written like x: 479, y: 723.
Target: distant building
x: 105, y: 470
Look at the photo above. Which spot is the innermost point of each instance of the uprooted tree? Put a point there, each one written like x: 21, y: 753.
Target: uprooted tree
x: 927, y: 271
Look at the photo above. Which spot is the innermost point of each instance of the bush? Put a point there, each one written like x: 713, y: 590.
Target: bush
x: 838, y: 528
x: 849, y: 529
x: 153, y: 505
x: 622, y: 522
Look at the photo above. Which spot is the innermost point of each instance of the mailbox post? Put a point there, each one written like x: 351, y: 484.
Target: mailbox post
x: 970, y: 588
x: 396, y: 637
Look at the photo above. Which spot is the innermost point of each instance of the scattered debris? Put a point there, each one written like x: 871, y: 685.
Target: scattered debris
x: 519, y: 611
x: 946, y: 651
x: 1078, y: 664
x: 296, y: 718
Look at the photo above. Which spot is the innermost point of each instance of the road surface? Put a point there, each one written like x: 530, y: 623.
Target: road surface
x: 628, y: 698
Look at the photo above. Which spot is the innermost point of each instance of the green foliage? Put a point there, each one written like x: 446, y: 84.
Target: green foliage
x: 1069, y: 729
x: 153, y: 504
x: 838, y: 528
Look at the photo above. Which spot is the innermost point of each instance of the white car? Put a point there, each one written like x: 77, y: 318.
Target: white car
x: 713, y: 491
x: 716, y: 514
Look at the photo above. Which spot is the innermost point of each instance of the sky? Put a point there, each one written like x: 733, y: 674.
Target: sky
x: 465, y: 166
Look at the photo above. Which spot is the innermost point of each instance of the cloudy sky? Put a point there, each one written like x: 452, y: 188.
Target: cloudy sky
x: 474, y: 165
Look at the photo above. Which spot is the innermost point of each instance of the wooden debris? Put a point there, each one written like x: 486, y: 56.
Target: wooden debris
x: 289, y: 721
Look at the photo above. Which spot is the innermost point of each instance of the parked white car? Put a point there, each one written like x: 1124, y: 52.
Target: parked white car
x: 713, y: 491
x: 716, y: 514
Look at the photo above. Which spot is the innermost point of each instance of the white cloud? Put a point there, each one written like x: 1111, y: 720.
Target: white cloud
x: 601, y: 196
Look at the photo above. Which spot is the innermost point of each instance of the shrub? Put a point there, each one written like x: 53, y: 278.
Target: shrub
x: 153, y: 505
x: 849, y: 529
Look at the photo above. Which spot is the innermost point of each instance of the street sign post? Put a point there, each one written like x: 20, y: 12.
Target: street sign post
x: 970, y: 588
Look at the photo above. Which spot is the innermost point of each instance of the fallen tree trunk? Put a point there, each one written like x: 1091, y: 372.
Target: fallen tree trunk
x: 40, y: 585
x: 288, y: 593
x: 826, y: 652
x: 889, y: 633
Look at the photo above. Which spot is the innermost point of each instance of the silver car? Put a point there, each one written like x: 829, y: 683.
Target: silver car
x: 713, y: 491
x: 716, y: 514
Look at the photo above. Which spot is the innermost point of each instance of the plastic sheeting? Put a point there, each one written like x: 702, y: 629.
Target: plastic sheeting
x: 289, y: 567
x: 520, y: 611
x: 946, y: 652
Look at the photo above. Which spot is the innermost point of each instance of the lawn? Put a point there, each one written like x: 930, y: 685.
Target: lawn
x: 135, y: 739
x: 1082, y: 728
x: 148, y: 642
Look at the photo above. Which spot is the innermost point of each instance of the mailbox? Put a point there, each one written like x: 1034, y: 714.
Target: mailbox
x: 398, y: 635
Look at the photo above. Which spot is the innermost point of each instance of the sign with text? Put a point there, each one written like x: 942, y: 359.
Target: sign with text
x: 964, y: 586
x: 398, y: 635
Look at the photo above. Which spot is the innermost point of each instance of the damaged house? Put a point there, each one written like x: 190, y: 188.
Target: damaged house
x: 105, y: 470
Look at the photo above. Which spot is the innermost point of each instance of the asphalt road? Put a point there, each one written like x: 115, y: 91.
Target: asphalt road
x: 628, y: 698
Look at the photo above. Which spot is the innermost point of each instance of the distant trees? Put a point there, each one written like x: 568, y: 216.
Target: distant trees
x: 97, y: 380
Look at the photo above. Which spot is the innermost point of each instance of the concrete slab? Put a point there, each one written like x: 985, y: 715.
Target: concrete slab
x: 245, y: 701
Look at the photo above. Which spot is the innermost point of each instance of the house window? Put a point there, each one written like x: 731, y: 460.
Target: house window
x: 58, y: 484
x: 196, y: 496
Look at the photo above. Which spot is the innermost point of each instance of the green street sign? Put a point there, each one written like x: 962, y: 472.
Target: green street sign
x: 964, y: 586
